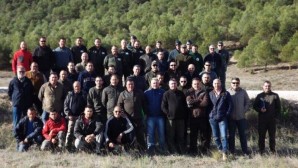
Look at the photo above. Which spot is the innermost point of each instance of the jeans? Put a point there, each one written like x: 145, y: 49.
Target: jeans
x: 219, y: 132
x: 22, y: 147
x: 154, y: 123
x: 44, y: 117
x: 17, y: 115
x: 241, y: 126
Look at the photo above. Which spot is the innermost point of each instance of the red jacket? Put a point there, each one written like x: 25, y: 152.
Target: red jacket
x: 51, y: 125
x: 21, y: 57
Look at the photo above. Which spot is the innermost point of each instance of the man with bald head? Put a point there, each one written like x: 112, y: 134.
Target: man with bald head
x: 22, y: 57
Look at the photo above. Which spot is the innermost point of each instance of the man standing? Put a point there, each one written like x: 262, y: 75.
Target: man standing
x: 152, y: 73
x: 81, y: 66
x: 197, y: 101
x: 146, y: 60
x: 54, y: 132
x: 63, y: 56
x: 116, y: 60
x: 97, y: 54
x: 127, y: 58
x: 87, y: 77
x: 44, y: 57
x: 197, y: 57
x: 139, y: 81
x: 132, y: 101
x: 67, y: 85
x: 175, y: 52
x: 237, y: 117
x: 207, y: 70
x: 110, y: 95
x: 155, y: 116
x: 78, y: 50
x: 225, y: 57
x: 183, y: 59
x: 37, y: 79
x: 20, y: 92
x: 21, y: 57
x: 222, y: 106
x: 175, y: 108
x: 74, y: 105
x: 267, y: 104
x: 94, y: 99
x: 51, y: 94
x: 28, y: 131
x: 214, y: 59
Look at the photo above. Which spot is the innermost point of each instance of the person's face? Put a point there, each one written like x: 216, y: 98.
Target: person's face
x: 217, y: 84
x: 154, y: 67
x: 34, y: 67
x: 158, y: 45
x: 235, y: 84
x: 132, y: 40
x: 84, y: 57
x: 194, y: 49
x: 207, y: 67
x: 31, y: 114
x: 53, y: 79
x: 173, y: 85
x: 178, y: 47
x: 130, y: 86
x: 160, y: 78
x: 173, y: 66
x: 21, y: 72
x: 97, y: 43
x: 137, y: 44
x: 117, y: 112
x: 205, y: 79
x: 111, y: 70
x: 136, y: 71
x: 114, y: 50
x: 188, y: 46
x: 154, y: 84
x: 196, y: 85
x: 98, y: 82
x: 160, y: 55
x: 148, y: 49
x: 62, y: 43
x: 219, y: 46
x: 89, y: 67
x: 71, y: 67
x: 211, y: 49
x: 76, y: 87
x: 53, y: 115
x: 183, y: 50
x: 114, y: 81
x: 79, y: 41
x: 63, y: 75
x: 42, y: 42
x: 23, y: 45
x: 123, y: 44
x: 88, y: 112
x: 182, y: 81
x: 191, y: 68
x: 267, y: 87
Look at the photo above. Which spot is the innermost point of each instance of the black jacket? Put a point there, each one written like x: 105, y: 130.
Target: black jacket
x: 75, y: 103
x: 44, y: 57
x: 174, y: 104
x: 93, y: 127
x: 20, y: 130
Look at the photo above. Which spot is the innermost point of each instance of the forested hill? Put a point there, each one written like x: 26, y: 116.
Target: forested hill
x: 267, y: 28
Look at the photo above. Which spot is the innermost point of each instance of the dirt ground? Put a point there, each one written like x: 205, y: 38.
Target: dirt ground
x: 281, y: 79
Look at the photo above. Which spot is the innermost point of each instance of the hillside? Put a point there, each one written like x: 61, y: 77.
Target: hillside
x: 266, y: 29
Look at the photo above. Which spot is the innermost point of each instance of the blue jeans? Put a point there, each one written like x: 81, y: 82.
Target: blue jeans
x: 17, y: 115
x: 44, y: 117
x: 241, y: 126
x: 154, y: 123
x: 22, y: 147
x: 219, y: 132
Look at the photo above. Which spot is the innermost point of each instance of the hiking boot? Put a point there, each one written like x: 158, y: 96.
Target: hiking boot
x: 224, y: 157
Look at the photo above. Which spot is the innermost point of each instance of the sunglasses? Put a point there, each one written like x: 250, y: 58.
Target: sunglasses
x: 207, y: 65
x: 154, y: 65
x: 43, y: 41
x: 117, y: 111
x: 173, y: 65
x: 183, y: 81
x: 237, y: 83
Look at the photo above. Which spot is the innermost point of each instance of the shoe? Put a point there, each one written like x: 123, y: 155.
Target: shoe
x: 224, y: 157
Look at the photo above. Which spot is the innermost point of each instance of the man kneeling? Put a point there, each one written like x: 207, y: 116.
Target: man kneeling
x: 88, y: 131
x: 28, y: 131
x: 54, y: 132
x: 119, y: 131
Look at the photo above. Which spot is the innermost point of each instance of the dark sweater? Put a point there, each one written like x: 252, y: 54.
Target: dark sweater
x: 174, y: 104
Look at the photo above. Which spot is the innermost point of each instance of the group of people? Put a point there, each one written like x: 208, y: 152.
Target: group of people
x: 151, y: 100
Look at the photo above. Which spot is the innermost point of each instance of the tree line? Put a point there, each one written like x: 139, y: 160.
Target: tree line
x: 266, y: 29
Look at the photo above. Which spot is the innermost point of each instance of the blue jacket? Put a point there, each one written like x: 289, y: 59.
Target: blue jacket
x: 21, y: 93
x: 221, y: 106
x: 153, y: 99
x: 20, y: 130
x: 87, y: 80
x: 62, y: 56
